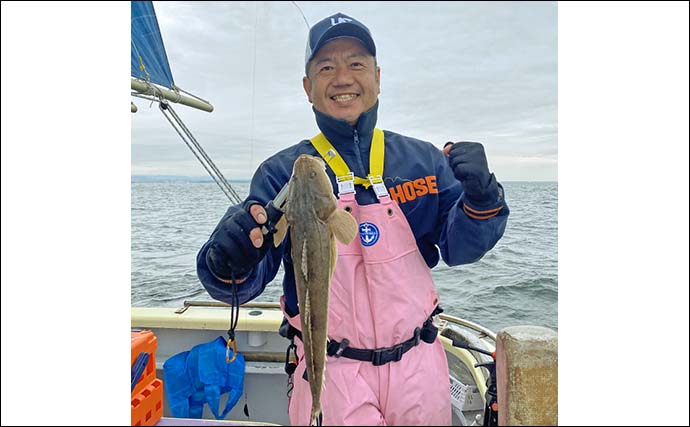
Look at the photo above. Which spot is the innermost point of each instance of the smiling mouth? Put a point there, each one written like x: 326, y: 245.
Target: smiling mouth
x: 344, y: 97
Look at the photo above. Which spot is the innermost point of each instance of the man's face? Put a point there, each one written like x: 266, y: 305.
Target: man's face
x: 343, y: 80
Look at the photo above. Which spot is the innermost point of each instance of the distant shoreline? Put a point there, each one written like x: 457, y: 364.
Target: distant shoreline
x: 204, y: 179
x: 179, y: 178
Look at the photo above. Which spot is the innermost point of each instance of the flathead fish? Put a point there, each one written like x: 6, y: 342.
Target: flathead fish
x: 314, y: 222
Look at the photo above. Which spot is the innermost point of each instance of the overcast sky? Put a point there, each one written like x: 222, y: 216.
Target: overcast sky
x: 474, y: 71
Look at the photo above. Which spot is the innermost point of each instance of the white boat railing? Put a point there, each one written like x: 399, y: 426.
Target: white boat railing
x: 481, y: 330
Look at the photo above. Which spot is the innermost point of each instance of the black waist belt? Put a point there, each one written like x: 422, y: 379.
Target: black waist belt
x: 380, y: 356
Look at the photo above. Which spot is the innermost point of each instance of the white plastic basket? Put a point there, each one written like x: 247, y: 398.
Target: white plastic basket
x: 458, y: 392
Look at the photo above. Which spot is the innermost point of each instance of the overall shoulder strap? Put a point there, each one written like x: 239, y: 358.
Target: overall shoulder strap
x: 333, y: 159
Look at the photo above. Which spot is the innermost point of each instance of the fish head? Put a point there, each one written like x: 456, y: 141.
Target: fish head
x: 310, y: 180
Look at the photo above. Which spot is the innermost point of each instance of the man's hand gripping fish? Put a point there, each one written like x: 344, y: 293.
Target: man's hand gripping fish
x: 314, y: 220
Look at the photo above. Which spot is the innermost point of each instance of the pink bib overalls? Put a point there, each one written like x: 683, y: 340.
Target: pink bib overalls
x: 381, y: 290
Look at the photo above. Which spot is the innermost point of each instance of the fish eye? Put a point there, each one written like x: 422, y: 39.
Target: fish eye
x: 312, y: 174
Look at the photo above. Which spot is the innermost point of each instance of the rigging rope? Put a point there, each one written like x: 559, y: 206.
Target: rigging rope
x: 302, y: 13
x: 185, y: 133
x: 198, y: 151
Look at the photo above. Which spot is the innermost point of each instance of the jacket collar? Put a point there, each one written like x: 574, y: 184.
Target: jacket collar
x: 340, y: 132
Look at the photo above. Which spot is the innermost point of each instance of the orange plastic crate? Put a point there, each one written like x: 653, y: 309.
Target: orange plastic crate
x: 147, y: 406
x: 144, y: 341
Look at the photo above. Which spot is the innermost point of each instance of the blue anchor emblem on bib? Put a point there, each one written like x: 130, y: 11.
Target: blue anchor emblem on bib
x: 368, y: 233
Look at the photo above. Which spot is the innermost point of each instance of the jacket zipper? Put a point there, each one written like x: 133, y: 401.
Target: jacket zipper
x: 359, y: 155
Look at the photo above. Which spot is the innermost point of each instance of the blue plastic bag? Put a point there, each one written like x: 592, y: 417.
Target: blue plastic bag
x: 201, y: 375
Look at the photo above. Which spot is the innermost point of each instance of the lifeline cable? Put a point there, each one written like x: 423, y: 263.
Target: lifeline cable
x: 210, y: 167
x: 206, y: 157
x: 302, y: 13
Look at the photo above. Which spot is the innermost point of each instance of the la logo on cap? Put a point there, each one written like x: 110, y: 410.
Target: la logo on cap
x: 340, y: 20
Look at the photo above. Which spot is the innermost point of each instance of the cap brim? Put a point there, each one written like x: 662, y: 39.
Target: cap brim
x: 345, y: 30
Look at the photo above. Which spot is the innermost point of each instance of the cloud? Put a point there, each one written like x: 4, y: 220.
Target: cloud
x: 450, y: 71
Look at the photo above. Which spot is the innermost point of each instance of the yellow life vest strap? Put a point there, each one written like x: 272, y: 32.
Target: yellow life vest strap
x: 340, y: 168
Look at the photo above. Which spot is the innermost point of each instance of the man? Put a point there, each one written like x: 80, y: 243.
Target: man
x: 385, y: 364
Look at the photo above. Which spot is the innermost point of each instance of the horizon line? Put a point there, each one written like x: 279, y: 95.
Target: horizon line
x: 209, y: 179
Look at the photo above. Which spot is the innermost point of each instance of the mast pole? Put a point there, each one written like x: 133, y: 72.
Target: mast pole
x: 147, y: 89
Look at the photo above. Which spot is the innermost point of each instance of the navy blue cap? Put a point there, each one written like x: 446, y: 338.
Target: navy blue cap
x: 335, y: 26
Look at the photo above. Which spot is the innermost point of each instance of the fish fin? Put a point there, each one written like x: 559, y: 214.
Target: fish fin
x: 281, y: 230
x: 307, y: 335
x: 334, y: 256
x: 307, y: 326
x: 304, y: 266
x: 343, y: 225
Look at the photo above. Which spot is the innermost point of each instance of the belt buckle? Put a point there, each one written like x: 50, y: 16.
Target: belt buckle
x: 331, y: 349
x: 377, y: 184
x: 396, y: 353
x: 346, y: 183
x: 417, y: 335
x: 343, y: 345
x: 377, y: 357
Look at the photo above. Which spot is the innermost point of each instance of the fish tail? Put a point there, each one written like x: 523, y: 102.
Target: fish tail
x: 316, y: 415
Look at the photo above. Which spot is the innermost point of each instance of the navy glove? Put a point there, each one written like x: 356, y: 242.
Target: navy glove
x: 231, y: 254
x: 468, y: 161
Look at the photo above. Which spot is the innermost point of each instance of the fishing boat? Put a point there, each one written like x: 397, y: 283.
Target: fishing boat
x: 176, y: 330
x: 264, y: 399
x: 170, y: 331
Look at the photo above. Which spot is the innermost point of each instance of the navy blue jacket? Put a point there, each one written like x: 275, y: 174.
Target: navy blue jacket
x: 417, y: 176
